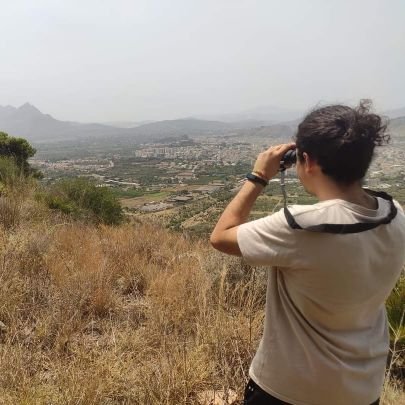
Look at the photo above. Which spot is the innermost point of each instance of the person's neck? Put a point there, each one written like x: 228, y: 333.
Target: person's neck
x: 353, y: 193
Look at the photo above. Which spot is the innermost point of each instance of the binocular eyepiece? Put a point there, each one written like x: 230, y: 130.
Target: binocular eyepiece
x: 289, y: 159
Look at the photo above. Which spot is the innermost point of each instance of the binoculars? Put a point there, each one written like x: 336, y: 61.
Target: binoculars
x: 289, y: 159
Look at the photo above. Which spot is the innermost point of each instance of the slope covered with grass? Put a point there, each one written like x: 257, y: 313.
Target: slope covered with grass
x: 128, y: 314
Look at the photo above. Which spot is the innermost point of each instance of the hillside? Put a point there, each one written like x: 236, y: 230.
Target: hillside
x: 397, y: 125
x: 264, y: 114
x: 28, y: 122
x: 101, y: 315
x: 131, y: 314
x: 396, y: 113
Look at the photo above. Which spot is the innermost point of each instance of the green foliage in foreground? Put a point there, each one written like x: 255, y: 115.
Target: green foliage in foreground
x: 396, y: 311
x: 10, y: 173
x: 15, y: 170
x: 18, y: 149
x: 82, y: 199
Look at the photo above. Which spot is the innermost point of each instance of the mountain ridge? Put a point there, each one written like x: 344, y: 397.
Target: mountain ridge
x: 29, y: 122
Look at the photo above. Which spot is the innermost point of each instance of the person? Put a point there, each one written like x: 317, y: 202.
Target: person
x: 331, y: 265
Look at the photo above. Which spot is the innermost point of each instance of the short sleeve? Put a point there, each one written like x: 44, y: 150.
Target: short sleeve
x: 398, y: 205
x: 268, y: 241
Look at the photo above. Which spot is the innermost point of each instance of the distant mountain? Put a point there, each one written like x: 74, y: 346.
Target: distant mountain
x: 397, y: 126
x: 283, y: 132
x: 6, y: 111
x: 186, y: 126
x: 126, y: 124
x: 265, y: 115
x: 398, y: 112
x: 30, y: 123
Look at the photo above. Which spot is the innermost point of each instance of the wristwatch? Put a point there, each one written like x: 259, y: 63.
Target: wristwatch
x: 256, y: 179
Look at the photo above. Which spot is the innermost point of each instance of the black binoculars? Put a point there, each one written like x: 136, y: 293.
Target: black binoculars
x: 289, y: 159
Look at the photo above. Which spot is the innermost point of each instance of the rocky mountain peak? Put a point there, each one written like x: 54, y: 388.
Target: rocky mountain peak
x: 29, y: 108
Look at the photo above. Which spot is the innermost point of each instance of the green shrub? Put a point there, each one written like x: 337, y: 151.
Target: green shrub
x: 10, y: 173
x: 396, y: 311
x: 56, y: 202
x: 20, y: 150
x: 82, y: 199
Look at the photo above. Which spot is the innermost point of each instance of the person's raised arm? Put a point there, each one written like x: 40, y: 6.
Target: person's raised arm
x: 224, y: 235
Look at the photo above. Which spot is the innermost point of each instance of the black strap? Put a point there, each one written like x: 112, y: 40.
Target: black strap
x: 347, y: 228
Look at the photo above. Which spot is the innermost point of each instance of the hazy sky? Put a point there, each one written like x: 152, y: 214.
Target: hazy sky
x: 103, y: 60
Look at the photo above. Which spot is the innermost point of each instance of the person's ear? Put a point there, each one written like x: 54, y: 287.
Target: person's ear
x: 307, y: 162
x: 310, y: 165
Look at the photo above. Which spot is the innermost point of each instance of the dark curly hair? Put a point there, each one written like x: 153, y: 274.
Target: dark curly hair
x: 342, y: 139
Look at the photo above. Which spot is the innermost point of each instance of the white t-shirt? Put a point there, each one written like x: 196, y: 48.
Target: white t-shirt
x: 325, y: 337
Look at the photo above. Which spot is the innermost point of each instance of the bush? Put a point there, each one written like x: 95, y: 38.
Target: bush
x: 20, y: 150
x: 396, y: 311
x: 10, y: 173
x: 82, y: 198
x: 14, y: 187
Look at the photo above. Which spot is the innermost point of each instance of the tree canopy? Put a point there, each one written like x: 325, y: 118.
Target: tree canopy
x: 17, y: 148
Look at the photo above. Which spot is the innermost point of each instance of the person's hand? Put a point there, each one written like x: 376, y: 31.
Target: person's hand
x: 268, y: 162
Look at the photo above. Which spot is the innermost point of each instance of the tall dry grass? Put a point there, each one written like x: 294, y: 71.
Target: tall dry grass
x: 125, y: 315
x: 133, y: 314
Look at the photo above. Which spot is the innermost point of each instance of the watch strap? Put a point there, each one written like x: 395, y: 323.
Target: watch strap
x: 256, y: 179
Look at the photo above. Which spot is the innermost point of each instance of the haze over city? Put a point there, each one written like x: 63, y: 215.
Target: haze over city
x: 104, y: 61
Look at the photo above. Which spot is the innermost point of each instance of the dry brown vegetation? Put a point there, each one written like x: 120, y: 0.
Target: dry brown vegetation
x: 121, y: 315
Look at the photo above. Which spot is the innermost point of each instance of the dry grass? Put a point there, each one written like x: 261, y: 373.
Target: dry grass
x: 131, y: 314
x: 125, y: 315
